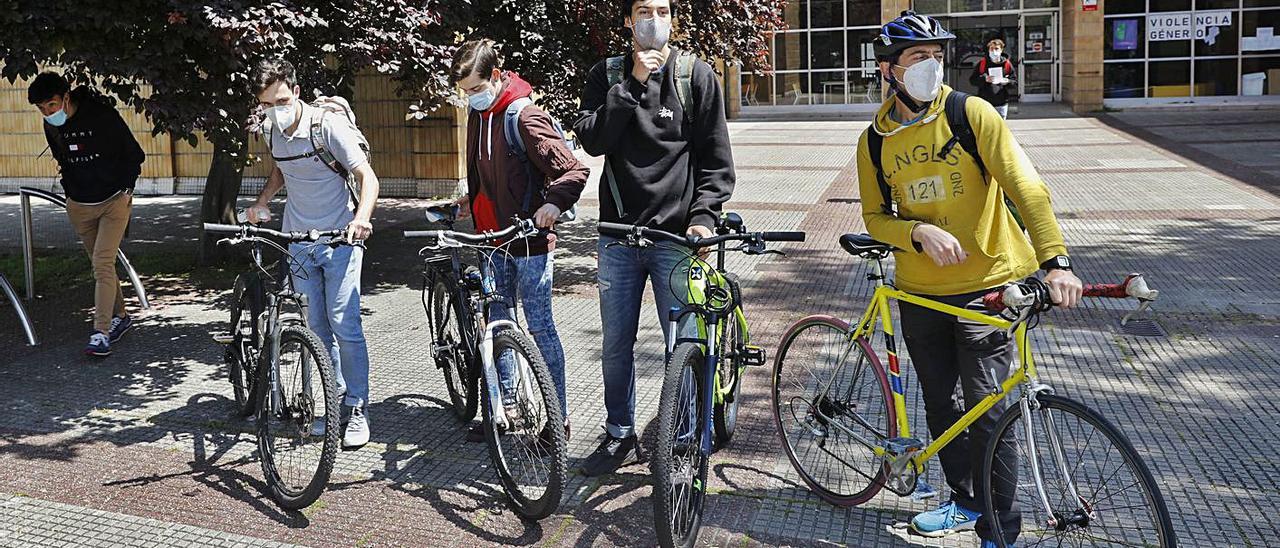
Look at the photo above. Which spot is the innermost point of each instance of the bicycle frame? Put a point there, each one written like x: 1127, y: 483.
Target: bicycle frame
x: 879, y: 310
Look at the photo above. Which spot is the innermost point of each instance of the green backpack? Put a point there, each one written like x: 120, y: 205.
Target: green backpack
x: 684, y: 91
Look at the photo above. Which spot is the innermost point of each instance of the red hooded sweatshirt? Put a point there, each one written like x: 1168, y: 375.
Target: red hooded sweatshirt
x: 496, y: 179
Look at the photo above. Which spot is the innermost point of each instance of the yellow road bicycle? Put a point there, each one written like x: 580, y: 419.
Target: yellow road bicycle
x: 842, y: 417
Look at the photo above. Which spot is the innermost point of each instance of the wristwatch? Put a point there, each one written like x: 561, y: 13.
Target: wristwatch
x: 1061, y: 262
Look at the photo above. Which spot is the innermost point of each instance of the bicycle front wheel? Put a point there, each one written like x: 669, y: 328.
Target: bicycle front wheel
x: 530, y: 453
x: 679, y: 467
x: 1097, y: 489
x: 831, y: 404
x: 451, y: 350
x: 303, y: 401
x: 726, y: 410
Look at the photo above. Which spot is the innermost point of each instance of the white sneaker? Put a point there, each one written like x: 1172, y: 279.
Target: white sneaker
x: 357, y: 433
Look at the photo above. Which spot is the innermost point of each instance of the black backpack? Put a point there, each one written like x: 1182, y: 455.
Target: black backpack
x: 961, y: 134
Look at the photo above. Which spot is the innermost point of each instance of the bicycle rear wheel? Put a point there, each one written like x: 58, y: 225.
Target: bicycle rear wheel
x: 296, y: 464
x: 678, y: 466
x: 1110, y: 499
x: 451, y: 337
x: 246, y: 343
x: 530, y: 453
x: 826, y: 388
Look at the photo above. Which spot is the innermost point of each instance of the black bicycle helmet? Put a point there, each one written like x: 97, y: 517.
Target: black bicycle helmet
x: 909, y: 29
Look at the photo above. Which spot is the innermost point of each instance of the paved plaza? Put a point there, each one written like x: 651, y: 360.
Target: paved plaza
x: 142, y: 449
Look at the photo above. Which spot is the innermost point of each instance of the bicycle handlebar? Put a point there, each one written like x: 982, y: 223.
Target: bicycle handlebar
x: 523, y: 228
x: 618, y: 230
x: 308, y: 236
x: 1034, y: 293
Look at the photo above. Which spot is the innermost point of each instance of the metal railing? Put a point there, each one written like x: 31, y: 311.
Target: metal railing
x: 23, y: 318
x: 29, y: 260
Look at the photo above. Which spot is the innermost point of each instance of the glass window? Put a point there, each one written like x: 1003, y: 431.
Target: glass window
x: 1033, y: 4
x: 1259, y: 3
x: 864, y: 87
x: 796, y: 14
x: 1169, y: 79
x: 1169, y: 48
x: 829, y: 87
x: 1124, y: 6
x: 1261, y: 32
x: 1002, y: 4
x: 792, y: 89
x: 1122, y: 80
x: 862, y: 53
x: 1170, y: 5
x: 1037, y: 78
x: 1125, y: 38
x: 862, y: 12
x: 827, y: 49
x: 825, y: 14
x: 931, y: 7
x: 966, y: 5
x: 1216, y: 4
x: 1216, y: 77
x: 756, y: 90
x: 790, y: 51
x: 1218, y: 39
x: 1260, y: 76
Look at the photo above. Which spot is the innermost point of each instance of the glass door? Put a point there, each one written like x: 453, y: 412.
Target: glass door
x: 1038, y: 69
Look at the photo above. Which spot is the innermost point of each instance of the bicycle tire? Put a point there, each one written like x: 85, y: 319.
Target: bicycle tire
x: 541, y: 440
x: 829, y: 335
x: 1051, y: 466
x: 242, y: 354
x: 725, y: 412
x: 678, y: 524
x: 289, y: 494
x: 461, y: 378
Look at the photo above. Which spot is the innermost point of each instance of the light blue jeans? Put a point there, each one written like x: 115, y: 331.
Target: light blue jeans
x: 330, y: 278
x: 530, y: 279
x: 621, y: 274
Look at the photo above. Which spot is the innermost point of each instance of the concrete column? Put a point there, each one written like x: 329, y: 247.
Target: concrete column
x: 732, y: 91
x: 891, y: 9
x: 1082, y: 56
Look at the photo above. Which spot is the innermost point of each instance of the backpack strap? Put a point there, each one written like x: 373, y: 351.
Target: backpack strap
x: 875, y: 148
x: 613, y: 67
x: 515, y: 142
x: 961, y: 132
x: 982, y: 65
x: 684, y: 82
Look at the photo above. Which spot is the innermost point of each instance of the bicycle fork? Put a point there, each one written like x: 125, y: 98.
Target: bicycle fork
x: 1028, y: 405
x: 707, y: 401
x: 489, y: 366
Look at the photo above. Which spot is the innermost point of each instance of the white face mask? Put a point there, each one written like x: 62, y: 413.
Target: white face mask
x: 283, y: 117
x: 923, y: 80
x: 995, y: 55
x: 652, y: 33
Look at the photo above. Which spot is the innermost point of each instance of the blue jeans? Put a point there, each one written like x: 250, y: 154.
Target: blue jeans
x: 330, y: 278
x: 621, y: 274
x: 530, y: 279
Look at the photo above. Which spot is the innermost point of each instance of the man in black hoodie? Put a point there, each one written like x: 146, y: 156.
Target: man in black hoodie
x: 667, y: 166
x: 994, y: 85
x: 99, y: 161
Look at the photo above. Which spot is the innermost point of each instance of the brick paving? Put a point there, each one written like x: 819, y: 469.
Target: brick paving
x: 141, y: 449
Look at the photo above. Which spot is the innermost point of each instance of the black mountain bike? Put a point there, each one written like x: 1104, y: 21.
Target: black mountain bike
x: 280, y: 369
x: 698, y: 406
x: 526, y: 438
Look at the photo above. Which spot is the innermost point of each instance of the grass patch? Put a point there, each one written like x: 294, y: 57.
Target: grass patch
x: 60, y: 271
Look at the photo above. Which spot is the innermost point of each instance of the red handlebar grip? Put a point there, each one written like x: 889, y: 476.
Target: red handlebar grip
x: 1112, y: 291
x: 994, y: 301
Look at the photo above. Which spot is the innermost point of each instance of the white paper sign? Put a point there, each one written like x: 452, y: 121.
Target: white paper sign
x: 1266, y: 39
x: 1203, y: 25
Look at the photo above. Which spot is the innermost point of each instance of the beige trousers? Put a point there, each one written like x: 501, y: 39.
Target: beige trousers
x: 101, y: 227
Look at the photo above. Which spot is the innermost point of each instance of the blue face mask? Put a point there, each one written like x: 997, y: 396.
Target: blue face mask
x: 485, y: 99
x: 58, y: 118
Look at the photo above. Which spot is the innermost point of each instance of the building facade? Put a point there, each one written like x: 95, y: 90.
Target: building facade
x: 1089, y: 54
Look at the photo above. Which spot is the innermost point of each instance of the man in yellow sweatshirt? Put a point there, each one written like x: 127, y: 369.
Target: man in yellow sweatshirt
x: 959, y: 240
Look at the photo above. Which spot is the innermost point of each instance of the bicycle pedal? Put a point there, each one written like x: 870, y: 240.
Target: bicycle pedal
x: 224, y: 338
x: 923, y: 491
x: 753, y: 355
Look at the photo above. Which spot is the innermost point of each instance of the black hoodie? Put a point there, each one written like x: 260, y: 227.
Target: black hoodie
x: 673, y: 169
x: 996, y: 94
x: 96, y: 151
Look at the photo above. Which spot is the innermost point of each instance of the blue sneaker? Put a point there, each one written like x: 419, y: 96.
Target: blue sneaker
x: 947, y: 519
x: 992, y: 544
x: 98, y: 345
x: 118, y: 327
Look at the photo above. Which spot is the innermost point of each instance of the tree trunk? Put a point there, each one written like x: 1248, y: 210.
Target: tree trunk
x: 221, y: 189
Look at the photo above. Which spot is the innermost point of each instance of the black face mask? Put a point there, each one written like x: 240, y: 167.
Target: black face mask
x: 902, y: 94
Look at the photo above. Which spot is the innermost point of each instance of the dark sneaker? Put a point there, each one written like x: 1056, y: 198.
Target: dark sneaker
x: 611, y: 455
x: 118, y: 327
x: 99, y: 345
x: 544, y: 437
